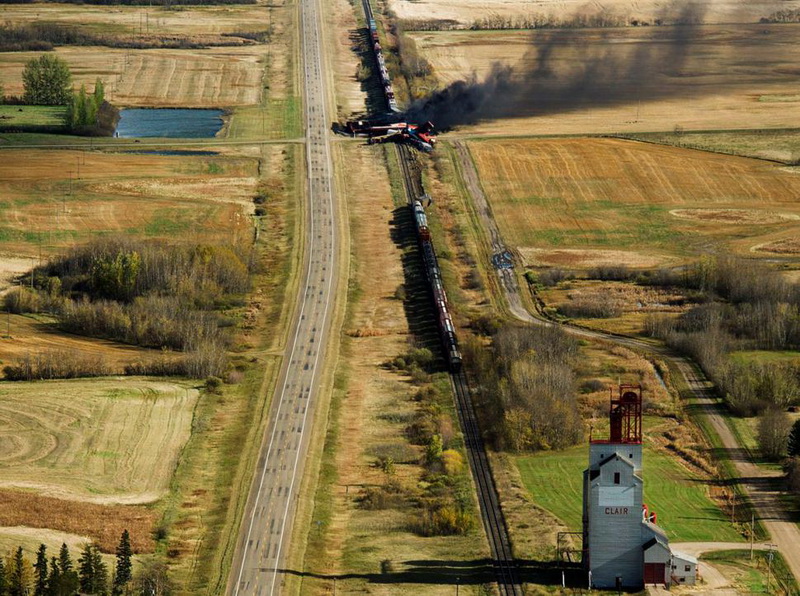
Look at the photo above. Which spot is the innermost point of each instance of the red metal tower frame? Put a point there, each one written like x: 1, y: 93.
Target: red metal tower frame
x: 625, y: 414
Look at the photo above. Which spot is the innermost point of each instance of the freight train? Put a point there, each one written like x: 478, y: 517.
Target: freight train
x: 386, y: 82
x: 447, y: 331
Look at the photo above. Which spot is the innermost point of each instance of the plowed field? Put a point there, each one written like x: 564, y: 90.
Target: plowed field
x: 101, y: 440
x: 596, y: 195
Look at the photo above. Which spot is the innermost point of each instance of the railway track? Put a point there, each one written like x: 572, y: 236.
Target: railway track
x: 491, y: 514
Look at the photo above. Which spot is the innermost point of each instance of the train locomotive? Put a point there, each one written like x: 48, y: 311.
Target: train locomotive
x: 447, y: 331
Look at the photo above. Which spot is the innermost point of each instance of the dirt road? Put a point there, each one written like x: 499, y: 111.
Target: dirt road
x: 756, y: 482
x: 267, y: 521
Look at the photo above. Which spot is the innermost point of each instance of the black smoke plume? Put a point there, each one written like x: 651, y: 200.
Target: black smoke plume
x: 570, y: 69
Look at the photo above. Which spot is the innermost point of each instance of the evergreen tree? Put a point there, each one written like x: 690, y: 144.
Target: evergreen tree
x: 68, y: 577
x: 99, y: 93
x: 93, y: 573
x: 47, y: 81
x: 100, y: 585
x: 86, y: 570
x: 19, y: 574
x: 54, y: 579
x: 40, y: 572
x: 3, y: 584
x: 122, y: 572
x: 64, y: 560
x: 794, y: 440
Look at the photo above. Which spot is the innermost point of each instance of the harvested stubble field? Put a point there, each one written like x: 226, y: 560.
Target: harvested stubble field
x: 25, y: 335
x: 209, y: 77
x: 193, y: 78
x: 47, y: 208
x: 637, y: 79
x: 564, y: 202
x: 107, y: 440
x: 467, y: 11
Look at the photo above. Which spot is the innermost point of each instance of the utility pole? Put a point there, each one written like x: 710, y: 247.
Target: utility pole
x: 752, y: 532
x: 770, y: 555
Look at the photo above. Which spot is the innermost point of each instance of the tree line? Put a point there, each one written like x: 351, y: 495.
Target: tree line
x: 145, y: 293
x: 44, y: 36
x: 47, y: 81
x: 59, y: 576
x: 526, y: 387
x: 746, y: 306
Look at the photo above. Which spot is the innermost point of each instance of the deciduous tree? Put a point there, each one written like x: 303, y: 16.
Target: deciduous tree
x: 47, y: 81
x: 793, y: 448
x: 773, y: 433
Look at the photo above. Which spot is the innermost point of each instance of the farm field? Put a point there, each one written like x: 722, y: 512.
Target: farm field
x: 589, y: 202
x: 465, y: 13
x: 574, y: 81
x: 554, y: 481
x: 55, y: 198
x: 215, y: 76
x: 190, y: 78
x: 25, y: 335
x: 117, y: 443
x: 778, y: 145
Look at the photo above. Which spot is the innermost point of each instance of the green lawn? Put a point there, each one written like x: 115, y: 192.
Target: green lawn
x: 31, y: 116
x: 554, y: 480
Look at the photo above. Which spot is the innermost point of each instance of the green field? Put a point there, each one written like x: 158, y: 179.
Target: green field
x: 31, y: 117
x: 554, y: 480
x: 780, y: 145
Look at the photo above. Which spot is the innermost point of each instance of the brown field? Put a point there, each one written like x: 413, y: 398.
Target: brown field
x: 587, y: 195
x: 213, y: 77
x: 467, y: 11
x: 21, y: 512
x: 47, y: 208
x: 110, y: 440
x: 23, y: 335
x: 132, y: 20
x: 639, y: 79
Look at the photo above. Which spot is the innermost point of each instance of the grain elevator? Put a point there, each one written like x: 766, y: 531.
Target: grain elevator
x: 622, y: 545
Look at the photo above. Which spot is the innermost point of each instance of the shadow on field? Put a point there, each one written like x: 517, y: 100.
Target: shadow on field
x: 417, y: 302
x: 465, y: 573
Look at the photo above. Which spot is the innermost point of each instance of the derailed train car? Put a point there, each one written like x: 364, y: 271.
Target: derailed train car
x: 447, y: 331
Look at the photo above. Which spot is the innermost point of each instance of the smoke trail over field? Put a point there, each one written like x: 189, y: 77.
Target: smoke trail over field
x: 567, y: 69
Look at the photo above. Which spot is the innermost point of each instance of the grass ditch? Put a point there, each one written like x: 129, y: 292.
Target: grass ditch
x: 744, y: 507
x: 201, y: 517
x: 758, y: 575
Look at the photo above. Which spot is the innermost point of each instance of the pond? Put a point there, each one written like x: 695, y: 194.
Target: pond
x: 178, y: 123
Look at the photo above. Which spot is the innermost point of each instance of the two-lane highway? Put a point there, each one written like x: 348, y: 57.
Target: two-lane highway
x: 267, y: 521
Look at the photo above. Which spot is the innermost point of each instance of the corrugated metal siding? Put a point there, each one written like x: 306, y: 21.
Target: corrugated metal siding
x: 614, y: 532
